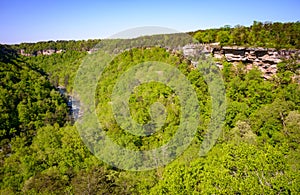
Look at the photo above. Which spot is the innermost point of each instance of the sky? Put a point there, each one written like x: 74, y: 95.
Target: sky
x: 43, y: 20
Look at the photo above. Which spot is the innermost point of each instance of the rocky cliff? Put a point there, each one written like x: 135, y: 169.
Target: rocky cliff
x: 41, y: 52
x: 266, y: 59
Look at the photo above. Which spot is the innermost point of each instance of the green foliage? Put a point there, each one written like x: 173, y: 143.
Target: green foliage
x: 71, y: 45
x: 27, y: 99
x: 143, y: 96
x: 95, y: 181
x: 258, y: 152
x: 61, y: 68
x: 275, y: 35
x: 231, y: 169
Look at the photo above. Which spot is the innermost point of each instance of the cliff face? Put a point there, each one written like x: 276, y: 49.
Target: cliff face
x: 266, y: 59
x: 41, y: 52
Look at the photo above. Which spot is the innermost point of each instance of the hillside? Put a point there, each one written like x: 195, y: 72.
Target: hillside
x: 268, y: 34
x: 258, y: 151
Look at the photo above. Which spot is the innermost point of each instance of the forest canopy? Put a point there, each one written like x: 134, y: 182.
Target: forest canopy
x: 259, y: 34
x: 271, y: 35
x: 258, y: 152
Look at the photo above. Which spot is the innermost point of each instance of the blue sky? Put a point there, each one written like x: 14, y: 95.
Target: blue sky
x: 32, y: 21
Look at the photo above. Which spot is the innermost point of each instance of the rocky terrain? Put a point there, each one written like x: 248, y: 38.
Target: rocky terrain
x: 266, y: 59
x: 42, y: 52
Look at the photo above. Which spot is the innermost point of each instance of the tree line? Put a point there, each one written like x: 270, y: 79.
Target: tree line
x: 65, y: 45
x: 271, y: 35
x: 259, y: 34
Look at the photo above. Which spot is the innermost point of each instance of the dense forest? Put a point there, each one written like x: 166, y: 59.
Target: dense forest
x: 33, y: 48
x: 258, y: 152
x: 272, y: 35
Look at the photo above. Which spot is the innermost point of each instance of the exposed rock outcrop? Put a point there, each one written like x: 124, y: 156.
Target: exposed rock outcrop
x: 23, y: 53
x: 41, y: 52
x: 266, y: 59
